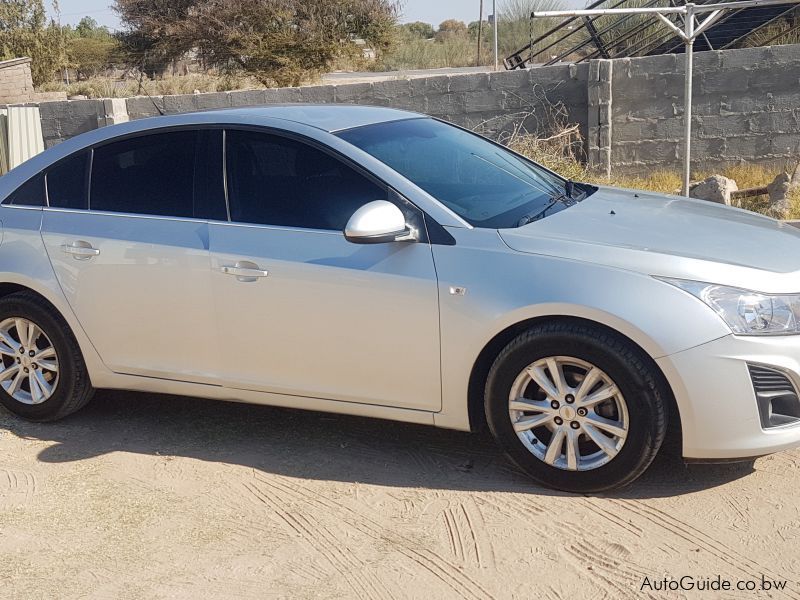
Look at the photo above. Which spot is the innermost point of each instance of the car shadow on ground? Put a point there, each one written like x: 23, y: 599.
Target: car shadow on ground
x: 314, y: 445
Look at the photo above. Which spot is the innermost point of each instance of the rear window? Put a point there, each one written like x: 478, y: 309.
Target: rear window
x: 66, y: 183
x: 30, y: 193
x: 150, y: 175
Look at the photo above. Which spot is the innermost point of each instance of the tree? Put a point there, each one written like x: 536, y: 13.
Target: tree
x: 92, y: 54
x: 24, y: 31
x: 419, y: 29
x: 87, y: 27
x: 155, y: 31
x: 451, y: 28
x: 278, y: 41
x: 475, y: 26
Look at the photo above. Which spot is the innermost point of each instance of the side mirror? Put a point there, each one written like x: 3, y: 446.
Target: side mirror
x: 378, y: 222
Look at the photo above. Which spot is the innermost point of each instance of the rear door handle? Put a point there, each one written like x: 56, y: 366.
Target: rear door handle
x: 80, y: 250
x: 244, y: 270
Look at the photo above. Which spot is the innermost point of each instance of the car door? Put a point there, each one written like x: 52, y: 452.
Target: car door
x: 302, y: 311
x: 125, y: 236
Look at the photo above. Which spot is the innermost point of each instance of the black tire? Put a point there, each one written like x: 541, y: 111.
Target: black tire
x: 73, y: 388
x: 627, y: 366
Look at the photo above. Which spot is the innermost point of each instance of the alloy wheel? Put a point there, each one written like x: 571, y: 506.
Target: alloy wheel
x: 568, y: 413
x: 29, y: 368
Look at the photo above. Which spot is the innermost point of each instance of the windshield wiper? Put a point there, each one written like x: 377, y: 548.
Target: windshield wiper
x: 536, y: 216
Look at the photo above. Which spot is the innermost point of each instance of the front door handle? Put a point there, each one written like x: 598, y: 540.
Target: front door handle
x: 244, y: 270
x: 80, y: 250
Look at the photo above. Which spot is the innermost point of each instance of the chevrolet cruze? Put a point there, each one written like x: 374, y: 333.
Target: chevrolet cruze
x: 382, y: 263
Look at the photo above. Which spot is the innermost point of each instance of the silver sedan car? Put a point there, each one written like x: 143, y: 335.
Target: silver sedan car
x: 382, y: 263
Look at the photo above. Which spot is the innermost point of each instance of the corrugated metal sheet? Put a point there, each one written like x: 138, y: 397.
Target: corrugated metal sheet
x: 3, y: 141
x: 24, y: 134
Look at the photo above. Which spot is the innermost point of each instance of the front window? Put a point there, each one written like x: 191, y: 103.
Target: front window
x: 482, y: 182
x: 278, y: 181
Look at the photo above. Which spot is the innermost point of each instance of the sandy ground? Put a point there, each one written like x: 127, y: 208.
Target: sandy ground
x: 142, y: 496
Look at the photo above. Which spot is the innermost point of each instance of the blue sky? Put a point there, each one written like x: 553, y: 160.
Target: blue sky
x: 430, y: 11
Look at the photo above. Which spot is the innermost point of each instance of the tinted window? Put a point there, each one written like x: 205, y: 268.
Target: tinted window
x: 151, y: 175
x: 485, y: 184
x: 278, y: 181
x: 30, y: 193
x: 66, y: 183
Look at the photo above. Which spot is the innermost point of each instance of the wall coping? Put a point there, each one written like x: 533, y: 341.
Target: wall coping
x: 4, y: 64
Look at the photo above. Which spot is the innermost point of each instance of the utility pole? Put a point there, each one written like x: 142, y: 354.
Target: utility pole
x: 494, y: 15
x: 480, y: 36
x: 687, y: 95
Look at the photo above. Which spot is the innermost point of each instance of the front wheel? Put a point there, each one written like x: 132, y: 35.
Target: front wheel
x: 577, y: 407
x: 42, y: 373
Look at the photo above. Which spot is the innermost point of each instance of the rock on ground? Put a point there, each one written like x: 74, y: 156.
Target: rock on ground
x: 780, y: 191
x: 714, y: 189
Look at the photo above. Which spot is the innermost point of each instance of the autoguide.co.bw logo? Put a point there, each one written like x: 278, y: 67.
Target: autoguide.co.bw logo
x: 711, y: 584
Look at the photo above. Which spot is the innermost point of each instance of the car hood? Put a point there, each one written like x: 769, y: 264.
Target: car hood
x: 669, y: 236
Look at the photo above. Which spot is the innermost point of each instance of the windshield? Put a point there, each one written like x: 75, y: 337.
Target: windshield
x: 483, y: 183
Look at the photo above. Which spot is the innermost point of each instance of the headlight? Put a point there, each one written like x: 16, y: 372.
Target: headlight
x: 747, y: 312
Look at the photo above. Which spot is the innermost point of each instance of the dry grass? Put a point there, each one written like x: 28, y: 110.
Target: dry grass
x: 560, y: 152
x: 106, y: 87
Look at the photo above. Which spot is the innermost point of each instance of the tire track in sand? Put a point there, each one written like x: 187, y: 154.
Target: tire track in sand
x: 323, y: 542
x: 466, y: 532
x: 697, y: 537
x: 17, y: 487
x: 607, y: 562
x: 450, y: 574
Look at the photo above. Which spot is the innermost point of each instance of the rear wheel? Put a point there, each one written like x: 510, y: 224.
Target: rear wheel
x: 577, y: 407
x: 42, y: 373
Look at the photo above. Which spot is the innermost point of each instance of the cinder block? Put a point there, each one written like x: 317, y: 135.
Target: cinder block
x: 212, y: 100
x: 770, y: 123
x: 469, y: 82
x: 720, y: 126
x: 785, y: 144
x: 662, y: 153
x: 510, y: 80
x: 282, y: 95
x: 353, y: 93
x: 62, y: 120
x: 144, y: 106
x: 247, y: 98
x: 649, y: 65
x: 482, y: 101
x: 670, y: 85
x: 318, y: 94
x: 424, y: 86
x: 774, y: 77
x: 746, y: 58
x: 444, y: 104
x: 180, y: 104
x: 715, y: 81
x: 386, y: 91
x: 708, y: 147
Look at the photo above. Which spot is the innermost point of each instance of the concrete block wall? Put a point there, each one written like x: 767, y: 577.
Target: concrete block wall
x: 16, y: 85
x: 746, y: 106
x: 746, y: 109
x: 492, y: 101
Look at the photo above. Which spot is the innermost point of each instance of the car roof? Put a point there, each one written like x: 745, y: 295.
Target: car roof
x: 328, y: 117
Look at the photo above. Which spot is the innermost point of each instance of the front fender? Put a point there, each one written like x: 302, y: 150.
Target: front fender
x: 505, y: 287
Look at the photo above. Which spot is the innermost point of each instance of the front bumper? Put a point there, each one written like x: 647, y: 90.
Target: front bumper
x: 719, y: 412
